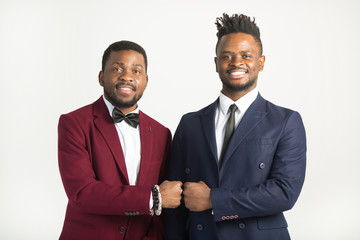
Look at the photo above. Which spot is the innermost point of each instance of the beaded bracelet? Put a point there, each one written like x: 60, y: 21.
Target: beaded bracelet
x: 157, y: 201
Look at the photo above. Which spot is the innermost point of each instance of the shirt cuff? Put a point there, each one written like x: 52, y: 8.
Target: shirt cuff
x: 151, y: 204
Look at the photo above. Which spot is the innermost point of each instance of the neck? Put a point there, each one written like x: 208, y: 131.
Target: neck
x: 124, y: 109
x: 235, y: 95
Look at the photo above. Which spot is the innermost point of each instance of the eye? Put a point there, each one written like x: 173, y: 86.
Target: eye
x: 226, y: 57
x: 137, y: 71
x: 117, y: 69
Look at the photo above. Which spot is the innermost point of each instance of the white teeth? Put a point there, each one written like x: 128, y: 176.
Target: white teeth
x: 237, y: 73
x: 127, y: 89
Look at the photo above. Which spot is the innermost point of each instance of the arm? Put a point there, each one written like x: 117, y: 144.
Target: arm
x: 170, y: 193
x: 175, y: 219
x: 170, y: 190
x: 85, y: 192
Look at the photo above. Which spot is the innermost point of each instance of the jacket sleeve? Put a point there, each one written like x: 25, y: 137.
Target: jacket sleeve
x: 175, y: 219
x: 156, y: 231
x: 85, y: 192
x: 282, y: 187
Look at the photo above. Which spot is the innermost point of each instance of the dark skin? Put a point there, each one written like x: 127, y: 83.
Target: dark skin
x: 124, y: 80
x: 238, y: 62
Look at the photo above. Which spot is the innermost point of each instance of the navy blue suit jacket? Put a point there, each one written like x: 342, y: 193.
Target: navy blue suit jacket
x: 261, y: 176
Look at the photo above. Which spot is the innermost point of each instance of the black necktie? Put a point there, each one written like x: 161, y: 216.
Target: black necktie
x: 229, y: 130
x: 132, y: 118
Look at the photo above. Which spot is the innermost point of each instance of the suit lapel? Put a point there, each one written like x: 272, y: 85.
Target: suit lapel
x: 147, y: 140
x: 253, y: 116
x: 105, y: 125
x: 208, y: 123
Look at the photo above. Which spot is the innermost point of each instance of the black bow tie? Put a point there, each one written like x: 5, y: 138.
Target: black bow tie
x: 132, y: 118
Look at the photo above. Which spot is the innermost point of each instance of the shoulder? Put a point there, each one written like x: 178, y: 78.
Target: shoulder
x: 282, y: 114
x: 80, y: 115
x: 278, y: 111
x: 85, y: 110
x: 208, y: 110
x: 86, y: 113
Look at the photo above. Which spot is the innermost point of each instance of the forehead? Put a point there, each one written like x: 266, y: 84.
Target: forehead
x: 235, y: 42
x: 126, y: 57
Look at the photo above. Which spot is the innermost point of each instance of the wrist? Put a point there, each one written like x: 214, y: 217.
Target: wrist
x: 157, y: 201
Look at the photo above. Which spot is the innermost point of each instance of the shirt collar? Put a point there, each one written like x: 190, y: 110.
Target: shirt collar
x: 242, y: 103
x: 111, y: 107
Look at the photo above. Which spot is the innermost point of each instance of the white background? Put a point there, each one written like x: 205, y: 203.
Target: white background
x: 50, y: 56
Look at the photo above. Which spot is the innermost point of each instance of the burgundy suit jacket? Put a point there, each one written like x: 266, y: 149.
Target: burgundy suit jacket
x: 101, y: 204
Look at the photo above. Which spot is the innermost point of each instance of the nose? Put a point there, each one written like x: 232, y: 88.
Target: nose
x: 237, y: 61
x: 126, y: 76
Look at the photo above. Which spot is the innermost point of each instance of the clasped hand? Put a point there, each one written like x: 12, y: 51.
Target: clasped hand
x: 171, y: 193
x: 196, y: 195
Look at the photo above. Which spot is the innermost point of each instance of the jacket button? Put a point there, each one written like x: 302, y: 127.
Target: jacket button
x: 187, y: 170
x: 262, y: 165
x: 121, y: 230
x: 199, y: 227
x: 241, y: 225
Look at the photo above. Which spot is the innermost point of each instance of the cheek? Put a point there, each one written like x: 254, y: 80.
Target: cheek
x: 141, y: 85
x: 220, y: 68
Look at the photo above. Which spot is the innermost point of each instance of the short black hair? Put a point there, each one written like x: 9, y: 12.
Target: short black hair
x: 235, y: 24
x: 123, y: 45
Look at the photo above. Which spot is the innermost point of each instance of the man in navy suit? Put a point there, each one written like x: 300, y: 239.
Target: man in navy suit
x: 242, y: 159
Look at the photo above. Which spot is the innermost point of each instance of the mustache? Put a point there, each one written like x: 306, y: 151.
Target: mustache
x: 236, y: 68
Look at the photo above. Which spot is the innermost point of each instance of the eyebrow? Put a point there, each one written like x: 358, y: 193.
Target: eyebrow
x: 229, y: 52
x: 122, y: 64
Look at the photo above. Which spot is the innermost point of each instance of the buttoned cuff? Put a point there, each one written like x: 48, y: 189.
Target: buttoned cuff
x: 220, y: 205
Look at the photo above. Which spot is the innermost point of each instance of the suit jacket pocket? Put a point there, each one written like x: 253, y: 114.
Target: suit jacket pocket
x: 273, y: 221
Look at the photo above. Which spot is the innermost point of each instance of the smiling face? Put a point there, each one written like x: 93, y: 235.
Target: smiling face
x: 124, y: 79
x: 238, y: 63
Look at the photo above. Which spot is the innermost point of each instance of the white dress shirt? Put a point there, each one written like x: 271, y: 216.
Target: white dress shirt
x: 131, y: 145
x: 222, y: 114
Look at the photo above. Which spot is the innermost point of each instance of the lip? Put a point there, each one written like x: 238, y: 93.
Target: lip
x: 125, y: 89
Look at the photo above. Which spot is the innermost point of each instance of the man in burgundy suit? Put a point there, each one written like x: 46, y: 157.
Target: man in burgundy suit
x: 112, y: 156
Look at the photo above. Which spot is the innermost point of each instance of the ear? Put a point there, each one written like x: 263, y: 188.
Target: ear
x: 147, y: 80
x: 101, y: 80
x: 215, y: 60
x: 261, y: 63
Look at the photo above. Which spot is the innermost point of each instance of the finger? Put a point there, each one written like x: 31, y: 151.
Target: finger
x: 188, y: 184
x: 185, y: 192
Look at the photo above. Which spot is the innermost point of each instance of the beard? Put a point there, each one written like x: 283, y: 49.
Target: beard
x: 239, y: 87
x: 111, y: 96
x: 121, y: 103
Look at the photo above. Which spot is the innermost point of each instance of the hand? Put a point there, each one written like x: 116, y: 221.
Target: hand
x: 170, y: 193
x: 197, y: 196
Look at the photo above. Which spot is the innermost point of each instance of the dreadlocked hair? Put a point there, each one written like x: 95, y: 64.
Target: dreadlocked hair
x: 237, y: 24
